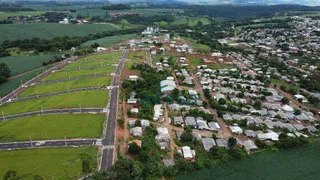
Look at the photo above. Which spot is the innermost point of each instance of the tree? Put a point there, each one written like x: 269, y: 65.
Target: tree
x: 222, y: 101
x: 232, y: 142
x: 285, y: 100
x: 134, y: 148
x: 86, y: 161
x: 297, y: 112
x: 95, y: 45
x: 124, y: 169
x: 11, y: 175
x: 4, y: 70
x: 257, y: 104
x: 186, y: 137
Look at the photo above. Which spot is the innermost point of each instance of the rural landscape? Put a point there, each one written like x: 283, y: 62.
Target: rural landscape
x: 162, y: 89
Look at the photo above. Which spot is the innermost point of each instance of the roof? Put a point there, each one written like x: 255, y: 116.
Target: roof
x: 167, y: 85
x: 187, y: 152
x: 213, y: 126
x: 190, y: 121
x: 236, y: 129
x: 249, y: 145
x: 208, y: 143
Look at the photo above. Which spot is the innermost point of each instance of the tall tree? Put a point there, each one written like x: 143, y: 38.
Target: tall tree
x: 4, y: 70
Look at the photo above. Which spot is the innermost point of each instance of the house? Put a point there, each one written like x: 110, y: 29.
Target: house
x: 178, y: 120
x: 145, y: 123
x: 287, y: 108
x: 134, y: 111
x: 133, y: 78
x: 132, y: 99
x: 158, y: 112
x: 250, y: 146
x: 188, y: 154
x: 250, y: 133
x: 100, y: 49
x: 138, y: 142
x: 219, y: 96
x: 202, y: 125
x: 236, y: 129
x: 208, y: 143
x: 167, y: 86
x: 163, y: 134
x: 213, y: 126
x: 132, y: 123
x: 136, y: 131
x: 268, y: 136
x: 190, y: 121
x: 222, y: 143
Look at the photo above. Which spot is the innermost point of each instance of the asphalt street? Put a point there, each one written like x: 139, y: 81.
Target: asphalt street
x: 109, y: 141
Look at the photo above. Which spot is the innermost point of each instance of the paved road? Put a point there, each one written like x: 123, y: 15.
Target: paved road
x: 52, y: 111
x: 109, y: 141
x: 48, y: 143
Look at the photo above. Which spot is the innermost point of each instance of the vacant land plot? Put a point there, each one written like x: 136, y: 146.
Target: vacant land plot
x: 57, y: 163
x: 55, y: 87
x: 90, y: 63
x: 4, y: 15
x: 104, y: 56
x: 135, y: 57
x: 75, y: 73
x: 292, y: 164
x: 198, y: 46
x: 189, y: 20
x: 49, y: 30
x: 21, y: 64
x: 52, y: 127
x: 97, y: 98
x: 108, y: 41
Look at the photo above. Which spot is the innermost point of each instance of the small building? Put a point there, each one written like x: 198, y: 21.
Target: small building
x: 202, y: 125
x: 208, y: 143
x: 133, y: 78
x: 158, y: 112
x: 214, y: 126
x: 236, y: 129
x: 136, y: 131
x: 188, y: 154
x: 191, y: 121
x: 250, y: 146
x: 163, y: 134
x: 167, y: 86
x: 178, y: 120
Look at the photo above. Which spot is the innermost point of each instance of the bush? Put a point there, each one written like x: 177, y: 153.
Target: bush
x: 134, y: 148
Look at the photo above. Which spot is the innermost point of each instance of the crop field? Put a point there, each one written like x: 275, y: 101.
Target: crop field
x: 75, y: 73
x: 104, y: 56
x: 57, y: 163
x: 97, y: 98
x: 291, y: 164
x: 4, y: 15
x: 21, y: 64
x: 108, y: 41
x: 55, y: 87
x: 8, y: 86
x: 90, y: 63
x: 55, y: 126
x: 49, y: 30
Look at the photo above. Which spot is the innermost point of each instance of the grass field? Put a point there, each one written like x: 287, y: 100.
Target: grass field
x: 49, y: 30
x: 21, y: 64
x: 199, y: 47
x: 52, y: 127
x: 135, y: 57
x: 55, y: 87
x: 57, y: 163
x: 7, y: 87
x: 105, y: 56
x: 108, y: 41
x: 291, y: 164
x: 193, y: 21
x: 90, y: 63
x: 97, y: 98
x: 75, y: 73
x: 4, y: 15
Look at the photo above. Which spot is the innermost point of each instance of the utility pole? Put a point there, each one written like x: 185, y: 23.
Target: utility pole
x: 31, y: 142
x: 80, y: 107
x: 65, y: 140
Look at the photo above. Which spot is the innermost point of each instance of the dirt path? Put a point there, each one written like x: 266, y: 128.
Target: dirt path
x: 226, y: 133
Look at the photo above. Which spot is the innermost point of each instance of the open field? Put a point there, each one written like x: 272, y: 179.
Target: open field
x: 57, y: 163
x: 55, y: 126
x: 4, y: 15
x: 75, y: 73
x: 55, y: 87
x: 193, y: 21
x: 21, y: 64
x: 292, y: 164
x: 90, y: 63
x: 49, y: 30
x: 199, y: 47
x: 97, y: 98
x: 135, y: 57
x: 8, y: 86
x: 108, y: 41
x: 104, y: 56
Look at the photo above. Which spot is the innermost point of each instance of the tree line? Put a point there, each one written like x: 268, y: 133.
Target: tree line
x: 116, y: 7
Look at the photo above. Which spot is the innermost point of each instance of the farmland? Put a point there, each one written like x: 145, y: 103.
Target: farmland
x: 189, y: 20
x: 292, y: 164
x: 55, y: 87
x: 49, y: 30
x: 4, y: 15
x: 97, y: 98
x: 21, y: 64
x: 75, y: 73
x: 108, y: 41
x: 60, y: 163
x: 52, y: 127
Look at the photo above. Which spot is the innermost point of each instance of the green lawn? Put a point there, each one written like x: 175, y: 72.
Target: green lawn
x: 108, y: 41
x: 54, y: 87
x: 135, y: 57
x: 293, y: 164
x: 48, y: 127
x: 196, y: 61
x: 4, y: 15
x: 7, y: 87
x: 49, y: 30
x: 105, y: 56
x: 21, y: 64
x: 199, y: 47
x: 97, y: 98
x: 57, y: 163
x: 90, y: 63
x: 75, y: 73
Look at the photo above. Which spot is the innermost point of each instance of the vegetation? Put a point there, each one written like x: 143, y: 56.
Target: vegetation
x: 48, y: 127
x: 4, y: 72
x: 57, y: 163
x: 108, y: 41
x: 96, y: 98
